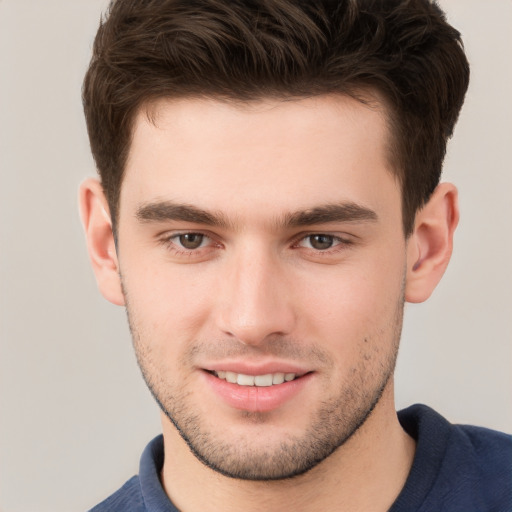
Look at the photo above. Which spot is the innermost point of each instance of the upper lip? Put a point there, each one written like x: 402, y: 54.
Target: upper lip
x: 247, y: 368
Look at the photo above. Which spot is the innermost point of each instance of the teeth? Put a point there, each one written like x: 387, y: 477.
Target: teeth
x: 245, y: 380
x: 231, y: 377
x: 278, y: 378
x: 255, y: 380
x: 263, y: 380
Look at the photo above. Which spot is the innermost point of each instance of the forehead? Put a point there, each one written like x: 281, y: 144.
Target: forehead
x: 271, y: 155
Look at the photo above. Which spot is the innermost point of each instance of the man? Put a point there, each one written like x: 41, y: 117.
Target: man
x: 269, y: 199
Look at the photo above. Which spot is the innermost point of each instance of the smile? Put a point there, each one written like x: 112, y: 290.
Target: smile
x: 269, y: 379
x: 267, y: 391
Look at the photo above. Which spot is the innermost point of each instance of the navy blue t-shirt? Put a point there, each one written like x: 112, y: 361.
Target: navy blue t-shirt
x: 456, y: 468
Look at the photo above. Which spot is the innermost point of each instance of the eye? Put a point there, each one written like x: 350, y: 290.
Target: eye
x: 319, y: 242
x: 190, y: 241
x: 189, y: 246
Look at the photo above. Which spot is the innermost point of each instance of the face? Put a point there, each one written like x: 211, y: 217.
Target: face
x: 262, y: 261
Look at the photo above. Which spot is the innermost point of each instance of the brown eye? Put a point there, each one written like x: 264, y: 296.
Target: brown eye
x: 191, y: 240
x: 321, y: 242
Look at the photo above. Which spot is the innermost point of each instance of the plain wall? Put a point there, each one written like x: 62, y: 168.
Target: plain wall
x: 74, y: 412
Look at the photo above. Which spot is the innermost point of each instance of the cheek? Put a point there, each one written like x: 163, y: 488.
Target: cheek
x: 166, y: 306
x: 355, y: 304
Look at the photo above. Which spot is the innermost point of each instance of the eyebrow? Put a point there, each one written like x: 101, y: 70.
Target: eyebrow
x: 168, y: 210
x: 342, y: 212
x: 338, y: 212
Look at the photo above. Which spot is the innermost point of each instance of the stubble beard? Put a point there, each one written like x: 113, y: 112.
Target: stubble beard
x: 336, y: 419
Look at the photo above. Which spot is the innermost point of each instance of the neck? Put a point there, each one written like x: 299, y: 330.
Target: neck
x: 366, y: 473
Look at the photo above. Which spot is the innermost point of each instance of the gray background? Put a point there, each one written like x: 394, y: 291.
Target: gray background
x: 74, y: 412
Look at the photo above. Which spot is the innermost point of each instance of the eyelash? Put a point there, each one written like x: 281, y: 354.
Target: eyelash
x: 341, y: 243
x: 168, y: 242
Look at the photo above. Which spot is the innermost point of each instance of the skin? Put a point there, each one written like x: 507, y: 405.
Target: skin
x: 260, y: 290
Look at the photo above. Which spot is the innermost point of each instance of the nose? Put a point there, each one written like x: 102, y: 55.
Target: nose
x: 255, y: 298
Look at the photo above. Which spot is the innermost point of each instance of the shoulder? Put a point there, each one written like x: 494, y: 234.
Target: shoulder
x: 456, y: 467
x: 486, y: 441
x: 490, y: 453
x: 142, y: 492
x: 127, y: 499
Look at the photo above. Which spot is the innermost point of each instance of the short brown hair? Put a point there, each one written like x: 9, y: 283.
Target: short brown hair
x: 251, y: 49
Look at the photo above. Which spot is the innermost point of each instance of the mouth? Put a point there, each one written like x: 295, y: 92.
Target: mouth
x: 266, y: 380
x: 264, y: 391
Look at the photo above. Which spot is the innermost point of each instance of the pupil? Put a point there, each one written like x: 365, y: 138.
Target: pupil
x: 191, y: 240
x: 321, y: 241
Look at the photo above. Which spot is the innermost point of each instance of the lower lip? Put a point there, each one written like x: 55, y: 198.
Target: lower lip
x: 256, y: 398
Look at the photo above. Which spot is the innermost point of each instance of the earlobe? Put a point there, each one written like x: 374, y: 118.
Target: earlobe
x: 97, y: 224
x: 430, y: 245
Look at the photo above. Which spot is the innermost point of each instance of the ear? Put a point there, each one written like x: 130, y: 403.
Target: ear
x: 429, y: 247
x: 97, y: 223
